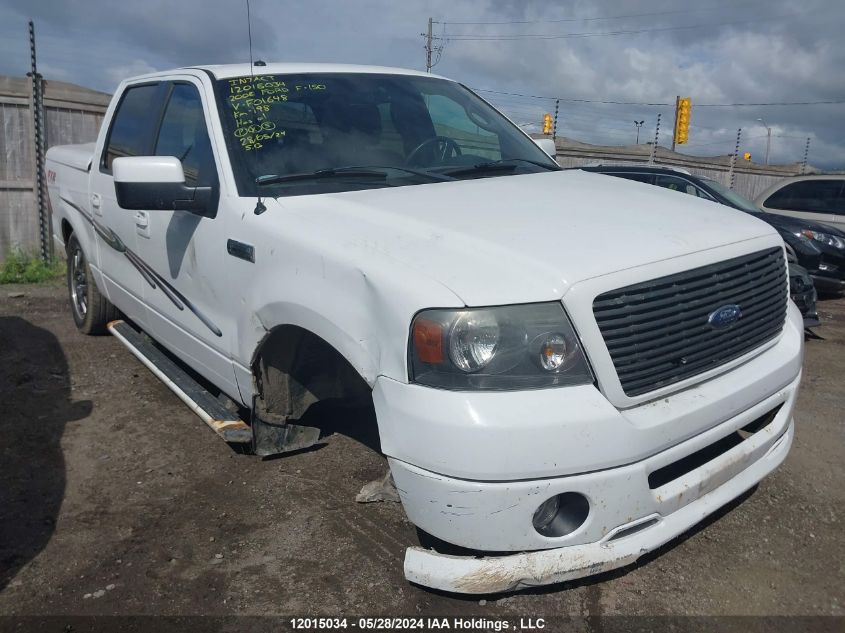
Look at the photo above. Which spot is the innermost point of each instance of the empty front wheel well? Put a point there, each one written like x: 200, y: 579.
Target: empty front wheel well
x: 295, y: 368
x: 66, y: 230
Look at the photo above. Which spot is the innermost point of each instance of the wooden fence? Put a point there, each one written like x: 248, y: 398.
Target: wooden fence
x: 72, y: 114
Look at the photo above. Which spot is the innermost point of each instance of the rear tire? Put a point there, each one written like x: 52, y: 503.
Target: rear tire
x: 91, y: 311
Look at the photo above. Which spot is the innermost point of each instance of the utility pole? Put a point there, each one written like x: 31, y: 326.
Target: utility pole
x: 36, y: 105
x: 656, y: 139
x: 675, y: 126
x: 768, y: 138
x: 428, y: 47
x: 639, y: 124
x: 806, y: 153
x: 732, y: 175
x: 768, y: 143
x: 554, y: 125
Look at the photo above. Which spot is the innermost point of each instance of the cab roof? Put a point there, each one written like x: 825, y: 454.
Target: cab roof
x: 228, y: 71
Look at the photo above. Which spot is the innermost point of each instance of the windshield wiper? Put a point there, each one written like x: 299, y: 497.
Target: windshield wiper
x: 505, y: 164
x: 320, y: 174
x: 374, y: 172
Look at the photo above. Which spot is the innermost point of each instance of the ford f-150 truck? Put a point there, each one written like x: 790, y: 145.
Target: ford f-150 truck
x: 567, y: 370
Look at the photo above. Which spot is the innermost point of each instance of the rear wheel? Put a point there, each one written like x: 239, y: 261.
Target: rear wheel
x: 91, y: 310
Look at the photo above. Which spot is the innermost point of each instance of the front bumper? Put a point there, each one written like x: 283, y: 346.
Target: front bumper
x: 620, y: 547
x: 472, y: 468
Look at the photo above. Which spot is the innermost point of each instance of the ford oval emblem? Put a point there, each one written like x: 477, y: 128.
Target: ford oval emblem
x: 724, y: 317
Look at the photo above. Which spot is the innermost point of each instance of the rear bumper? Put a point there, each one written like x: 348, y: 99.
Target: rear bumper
x: 481, y: 575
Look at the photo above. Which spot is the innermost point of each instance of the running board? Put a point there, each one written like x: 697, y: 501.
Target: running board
x: 222, y: 421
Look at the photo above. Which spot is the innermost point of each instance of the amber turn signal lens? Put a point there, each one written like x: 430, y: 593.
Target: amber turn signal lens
x: 428, y: 341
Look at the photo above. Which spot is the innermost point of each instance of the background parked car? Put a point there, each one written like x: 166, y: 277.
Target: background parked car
x: 819, y: 198
x: 818, y: 247
x: 803, y: 293
x: 804, y: 253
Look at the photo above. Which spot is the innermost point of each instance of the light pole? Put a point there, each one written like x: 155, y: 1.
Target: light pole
x: 639, y: 124
x: 768, y: 139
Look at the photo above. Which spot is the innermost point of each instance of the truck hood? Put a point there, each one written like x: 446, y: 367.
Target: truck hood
x: 521, y: 238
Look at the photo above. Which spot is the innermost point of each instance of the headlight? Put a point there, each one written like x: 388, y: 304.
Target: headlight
x: 511, y: 347
x: 824, y: 238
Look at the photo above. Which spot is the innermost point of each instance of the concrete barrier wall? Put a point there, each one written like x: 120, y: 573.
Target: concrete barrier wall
x: 750, y: 179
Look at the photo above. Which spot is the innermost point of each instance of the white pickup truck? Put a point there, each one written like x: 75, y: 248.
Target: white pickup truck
x: 567, y: 370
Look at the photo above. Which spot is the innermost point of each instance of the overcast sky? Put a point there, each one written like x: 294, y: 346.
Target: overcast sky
x: 715, y: 51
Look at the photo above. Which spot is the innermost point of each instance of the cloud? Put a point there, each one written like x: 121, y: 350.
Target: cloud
x: 776, y: 51
x: 118, y: 73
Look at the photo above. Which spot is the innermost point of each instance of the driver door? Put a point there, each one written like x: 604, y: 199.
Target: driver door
x: 188, y: 310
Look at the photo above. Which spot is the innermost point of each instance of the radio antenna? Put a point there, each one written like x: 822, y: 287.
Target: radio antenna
x: 259, y: 206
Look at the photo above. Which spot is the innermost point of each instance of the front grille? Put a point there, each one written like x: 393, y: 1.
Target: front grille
x: 657, y: 332
x: 678, y: 469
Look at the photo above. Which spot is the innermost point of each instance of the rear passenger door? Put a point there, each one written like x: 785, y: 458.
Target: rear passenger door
x: 130, y: 133
x: 817, y: 200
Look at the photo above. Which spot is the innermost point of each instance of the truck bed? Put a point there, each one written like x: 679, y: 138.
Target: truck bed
x: 76, y: 156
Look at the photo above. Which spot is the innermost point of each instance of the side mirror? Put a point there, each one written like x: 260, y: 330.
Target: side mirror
x: 157, y: 183
x: 547, y: 145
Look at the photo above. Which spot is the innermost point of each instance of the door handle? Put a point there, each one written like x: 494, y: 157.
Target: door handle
x: 142, y: 219
x: 96, y: 200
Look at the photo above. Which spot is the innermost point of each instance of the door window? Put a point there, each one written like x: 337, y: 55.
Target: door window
x: 183, y: 134
x: 676, y: 184
x: 814, y: 196
x: 132, y: 125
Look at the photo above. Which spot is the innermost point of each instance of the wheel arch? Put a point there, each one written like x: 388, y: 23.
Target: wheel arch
x: 293, y: 367
x: 66, y: 230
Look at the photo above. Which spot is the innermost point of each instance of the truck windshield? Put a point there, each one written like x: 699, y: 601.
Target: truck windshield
x: 410, y: 129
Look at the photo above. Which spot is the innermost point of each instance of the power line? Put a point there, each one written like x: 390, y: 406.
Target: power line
x: 517, y: 94
x: 645, y: 103
x: 602, y: 18
x: 460, y: 37
x: 772, y: 103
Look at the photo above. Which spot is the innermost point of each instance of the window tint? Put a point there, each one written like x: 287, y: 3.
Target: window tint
x: 815, y: 196
x: 131, y: 131
x: 183, y: 134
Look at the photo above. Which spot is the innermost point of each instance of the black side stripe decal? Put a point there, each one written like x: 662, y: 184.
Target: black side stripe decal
x: 150, y: 276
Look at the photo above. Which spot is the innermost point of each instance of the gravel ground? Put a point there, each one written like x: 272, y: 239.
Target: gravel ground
x: 115, y: 499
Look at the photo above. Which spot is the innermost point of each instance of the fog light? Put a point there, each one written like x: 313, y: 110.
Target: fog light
x: 545, y: 514
x: 562, y: 514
